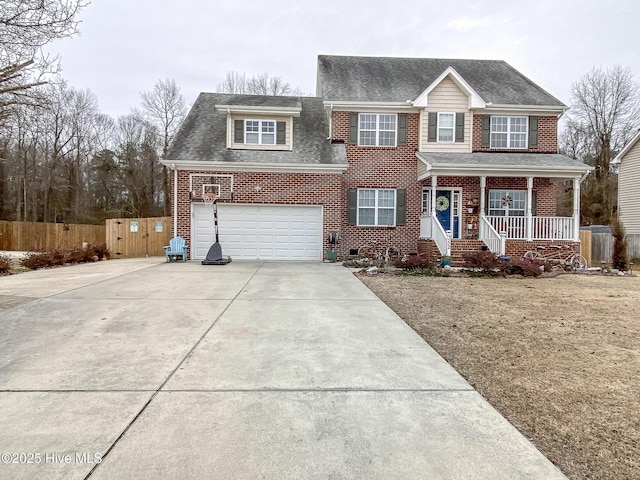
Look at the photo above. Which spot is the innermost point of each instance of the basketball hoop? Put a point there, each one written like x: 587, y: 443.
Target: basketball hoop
x: 209, y: 198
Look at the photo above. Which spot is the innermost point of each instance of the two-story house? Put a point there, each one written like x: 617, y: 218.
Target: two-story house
x: 442, y: 155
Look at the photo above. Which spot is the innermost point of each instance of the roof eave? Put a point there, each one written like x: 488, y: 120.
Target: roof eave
x: 261, y: 110
x: 625, y: 150
x: 325, y: 168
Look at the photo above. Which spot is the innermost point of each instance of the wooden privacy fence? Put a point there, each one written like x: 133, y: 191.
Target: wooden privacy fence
x: 137, y: 237
x: 32, y: 236
x: 585, y: 245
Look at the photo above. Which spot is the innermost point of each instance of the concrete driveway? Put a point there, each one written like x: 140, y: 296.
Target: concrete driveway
x: 139, y: 369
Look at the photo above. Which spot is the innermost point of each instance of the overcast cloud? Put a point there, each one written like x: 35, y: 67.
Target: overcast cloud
x: 125, y: 46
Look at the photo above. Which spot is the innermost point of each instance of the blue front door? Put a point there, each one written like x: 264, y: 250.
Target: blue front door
x: 443, y: 208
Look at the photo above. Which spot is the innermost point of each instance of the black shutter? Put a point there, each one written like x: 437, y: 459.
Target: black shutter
x: 238, y: 131
x: 353, y: 127
x: 533, y: 132
x: 352, y: 201
x: 402, y: 129
x: 281, y: 133
x: 486, y: 130
x: 432, y: 135
x: 459, y: 127
x: 401, y: 208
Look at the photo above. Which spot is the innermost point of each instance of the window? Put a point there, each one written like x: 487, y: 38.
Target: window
x: 377, y: 207
x: 377, y: 129
x: 260, y: 132
x: 508, y: 132
x: 446, y: 124
x: 507, y: 203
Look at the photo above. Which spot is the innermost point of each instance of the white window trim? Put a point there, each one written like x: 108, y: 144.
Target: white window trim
x: 453, y: 128
x: 506, y: 208
x: 260, y: 132
x: 377, y: 130
x: 509, y: 132
x: 376, y: 207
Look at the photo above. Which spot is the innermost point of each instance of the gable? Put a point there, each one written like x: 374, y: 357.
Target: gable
x: 450, y: 85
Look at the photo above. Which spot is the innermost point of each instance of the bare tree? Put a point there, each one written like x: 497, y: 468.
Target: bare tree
x: 165, y: 108
x: 260, y: 84
x: 604, y: 115
x: 234, y: 82
x: 25, y: 27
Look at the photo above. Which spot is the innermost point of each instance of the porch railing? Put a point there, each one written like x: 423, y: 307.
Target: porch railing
x: 425, y: 226
x: 553, y: 228
x: 542, y: 228
x: 440, y: 236
x: 490, y: 236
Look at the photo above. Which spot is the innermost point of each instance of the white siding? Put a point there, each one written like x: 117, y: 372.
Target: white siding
x: 628, y: 191
x: 447, y: 97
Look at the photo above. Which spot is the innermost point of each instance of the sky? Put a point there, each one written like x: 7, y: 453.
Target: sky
x: 126, y: 46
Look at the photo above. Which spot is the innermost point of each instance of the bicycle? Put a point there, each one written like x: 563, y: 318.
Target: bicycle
x: 559, y: 259
x: 373, y: 252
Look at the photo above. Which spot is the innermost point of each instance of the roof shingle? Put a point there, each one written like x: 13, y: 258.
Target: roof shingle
x: 390, y: 79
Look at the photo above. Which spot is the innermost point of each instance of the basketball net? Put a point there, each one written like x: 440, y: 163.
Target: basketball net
x: 209, y: 198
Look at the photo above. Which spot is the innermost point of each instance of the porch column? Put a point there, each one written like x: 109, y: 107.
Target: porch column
x: 529, y: 209
x: 434, y: 184
x: 576, y: 209
x: 483, y: 188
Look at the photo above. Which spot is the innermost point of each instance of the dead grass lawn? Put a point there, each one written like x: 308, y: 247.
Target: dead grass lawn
x: 559, y: 357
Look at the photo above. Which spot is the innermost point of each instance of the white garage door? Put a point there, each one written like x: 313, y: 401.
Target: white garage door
x: 265, y: 232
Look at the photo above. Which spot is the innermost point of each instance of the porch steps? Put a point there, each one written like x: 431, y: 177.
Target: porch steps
x: 459, y: 249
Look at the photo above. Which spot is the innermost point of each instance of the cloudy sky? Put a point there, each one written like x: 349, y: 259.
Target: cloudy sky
x: 125, y: 46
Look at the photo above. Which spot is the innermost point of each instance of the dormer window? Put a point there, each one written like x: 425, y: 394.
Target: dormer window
x: 255, y: 133
x: 260, y: 132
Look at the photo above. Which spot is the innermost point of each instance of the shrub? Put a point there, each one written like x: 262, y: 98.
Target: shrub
x: 619, y: 259
x: 526, y: 266
x: 5, y: 264
x: 485, y: 261
x: 54, y: 257
x: 413, y: 262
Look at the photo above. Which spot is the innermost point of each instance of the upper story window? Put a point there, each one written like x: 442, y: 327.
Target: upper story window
x: 446, y: 126
x: 377, y: 129
x: 509, y: 132
x: 257, y: 133
x: 260, y: 132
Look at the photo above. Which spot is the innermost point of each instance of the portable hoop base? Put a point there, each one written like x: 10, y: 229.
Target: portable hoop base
x: 214, y: 255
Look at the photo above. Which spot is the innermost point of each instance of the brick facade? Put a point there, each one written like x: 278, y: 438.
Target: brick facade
x: 377, y: 167
x: 274, y: 189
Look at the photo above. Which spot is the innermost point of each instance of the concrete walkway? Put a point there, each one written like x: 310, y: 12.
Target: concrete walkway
x: 139, y: 369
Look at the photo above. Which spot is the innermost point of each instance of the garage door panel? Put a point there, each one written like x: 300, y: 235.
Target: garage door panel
x: 270, y: 232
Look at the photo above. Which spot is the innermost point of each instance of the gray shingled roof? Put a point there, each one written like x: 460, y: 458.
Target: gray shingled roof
x: 507, y: 159
x: 202, y: 136
x: 389, y: 79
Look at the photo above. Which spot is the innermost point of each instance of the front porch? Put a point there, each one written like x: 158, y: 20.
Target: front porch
x: 504, y: 200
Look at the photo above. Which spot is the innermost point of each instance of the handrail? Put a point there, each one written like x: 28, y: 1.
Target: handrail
x: 440, y: 237
x: 490, y: 236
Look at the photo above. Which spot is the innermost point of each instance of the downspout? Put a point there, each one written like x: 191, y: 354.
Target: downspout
x: 330, y: 120
x: 175, y: 199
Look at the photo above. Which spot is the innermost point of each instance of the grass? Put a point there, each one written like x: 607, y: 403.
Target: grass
x: 558, y: 357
